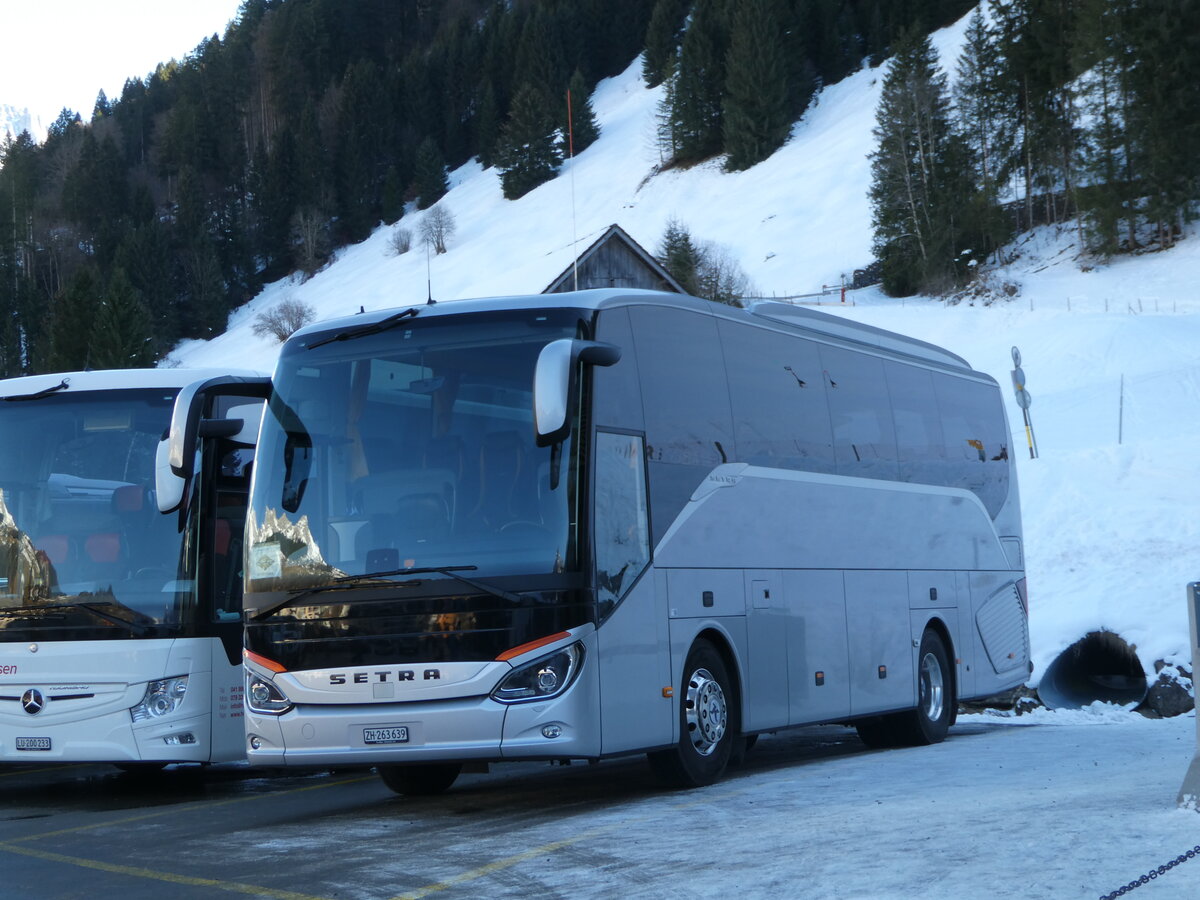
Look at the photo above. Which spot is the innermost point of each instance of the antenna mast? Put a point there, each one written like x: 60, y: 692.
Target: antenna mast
x: 571, y: 157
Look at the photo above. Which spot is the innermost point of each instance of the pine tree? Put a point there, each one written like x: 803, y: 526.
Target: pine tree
x: 430, y: 175
x: 1109, y: 198
x: 980, y: 108
x: 917, y: 177
x: 72, y: 324
x: 122, y: 338
x: 662, y: 40
x: 680, y: 256
x: 1164, y: 112
x: 486, y: 124
x: 758, y: 113
x: 527, y: 154
x: 699, y: 84
x: 582, y: 129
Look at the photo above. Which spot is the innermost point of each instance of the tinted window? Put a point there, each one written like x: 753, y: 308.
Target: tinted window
x: 618, y: 398
x: 686, y: 402
x: 622, y: 531
x: 976, y: 435
x: 864, y: 438
x: 683, y: 387
x: 780, y: 415
x: 918, y: 425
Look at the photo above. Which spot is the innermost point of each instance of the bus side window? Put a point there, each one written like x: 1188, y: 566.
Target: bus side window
x: 622, y: 529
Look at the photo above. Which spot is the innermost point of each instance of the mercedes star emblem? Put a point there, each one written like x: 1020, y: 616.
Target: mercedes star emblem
x: 32, y: 701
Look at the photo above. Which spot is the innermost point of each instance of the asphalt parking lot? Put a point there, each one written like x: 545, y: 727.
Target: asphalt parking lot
x: 76, y: 831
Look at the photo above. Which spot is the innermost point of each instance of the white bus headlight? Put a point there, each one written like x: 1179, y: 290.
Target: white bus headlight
x: 262, y: 696
x: 543, y: 678
x: 162, y: 698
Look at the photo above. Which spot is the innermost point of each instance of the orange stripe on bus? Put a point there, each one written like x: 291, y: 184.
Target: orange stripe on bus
x: 532, y: 645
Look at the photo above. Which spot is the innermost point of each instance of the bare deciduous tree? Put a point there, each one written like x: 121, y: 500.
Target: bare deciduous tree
x: 719, y: 275
x: 437, y: 227
x: 283, y: 319
x: 400, y: 241
x: 311, y: 236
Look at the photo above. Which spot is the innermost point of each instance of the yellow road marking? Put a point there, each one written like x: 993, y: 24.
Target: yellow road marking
x: 500, y: 864
x: 510, y: 861
x: 169, y: 877
x: 167, y: 810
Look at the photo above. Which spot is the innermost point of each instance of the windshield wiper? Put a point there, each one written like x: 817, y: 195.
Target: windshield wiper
x: 374, y: 328
x: 134, y: 628
x: 349, y: 582
x: 345, y: 583
x: 44, y: 392
x: 452, y: 572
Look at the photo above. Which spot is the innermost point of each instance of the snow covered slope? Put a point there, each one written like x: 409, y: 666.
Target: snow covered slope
x: 1112, y: 506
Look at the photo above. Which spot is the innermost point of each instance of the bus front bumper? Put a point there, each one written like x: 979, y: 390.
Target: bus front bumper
x: 468, y: 729
x: 110, y: 738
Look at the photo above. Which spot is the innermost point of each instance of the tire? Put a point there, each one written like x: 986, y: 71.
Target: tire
x: 929, y: 722
x: 709, y: 722
x: 936, y: 706
x: 420, y: 780
x: 877, y: 733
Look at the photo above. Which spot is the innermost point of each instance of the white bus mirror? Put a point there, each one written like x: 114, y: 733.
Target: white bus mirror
x: 554, y: 384
x: 168, y: 487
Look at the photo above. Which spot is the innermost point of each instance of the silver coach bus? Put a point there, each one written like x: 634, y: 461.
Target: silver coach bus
x: 577, y: 526
x: 120, y: 604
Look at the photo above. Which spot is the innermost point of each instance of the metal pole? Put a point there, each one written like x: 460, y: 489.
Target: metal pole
x: 1189, y: 794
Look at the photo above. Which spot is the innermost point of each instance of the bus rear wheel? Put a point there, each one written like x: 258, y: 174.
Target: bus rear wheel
x: 708, y: 723
x: 420, y: 780
x: 930, y: 721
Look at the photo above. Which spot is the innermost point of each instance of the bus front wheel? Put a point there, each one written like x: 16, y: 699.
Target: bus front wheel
x: 708, y: 723
x: 420, y: 780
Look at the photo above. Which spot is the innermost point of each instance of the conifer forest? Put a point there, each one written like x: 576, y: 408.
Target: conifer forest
x: 309, y: 122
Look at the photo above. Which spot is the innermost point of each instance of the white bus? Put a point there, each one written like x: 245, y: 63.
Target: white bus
x: 577, y: 526
x: 120, y: 604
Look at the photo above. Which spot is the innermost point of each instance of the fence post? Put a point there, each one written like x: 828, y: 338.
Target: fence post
x: 1189, y: 794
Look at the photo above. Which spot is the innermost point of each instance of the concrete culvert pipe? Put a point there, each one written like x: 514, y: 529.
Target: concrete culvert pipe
x: 1099, y: 666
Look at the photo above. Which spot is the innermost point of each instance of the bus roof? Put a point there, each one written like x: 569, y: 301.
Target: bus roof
x: 763, y: 312
x: 108, y: 380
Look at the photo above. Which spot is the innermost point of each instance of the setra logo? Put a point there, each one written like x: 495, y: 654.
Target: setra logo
x: 32, y: 701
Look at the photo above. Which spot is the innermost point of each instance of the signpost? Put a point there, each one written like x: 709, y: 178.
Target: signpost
x: 1189, y: 794
x: 1023, y: 400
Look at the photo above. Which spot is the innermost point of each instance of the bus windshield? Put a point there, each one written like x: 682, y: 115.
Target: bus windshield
x: 412, y: 448
x: 84, y: 553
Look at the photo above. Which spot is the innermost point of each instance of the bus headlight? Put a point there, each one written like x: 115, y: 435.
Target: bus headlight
x: 162, y: 698
x: 262, y: 696
x: 545, y: 677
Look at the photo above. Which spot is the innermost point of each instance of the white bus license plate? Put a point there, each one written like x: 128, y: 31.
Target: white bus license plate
x: 395, y: 735
x: 32, y: 743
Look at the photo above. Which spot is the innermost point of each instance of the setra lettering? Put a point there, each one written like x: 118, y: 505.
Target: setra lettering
x: 383, y: 676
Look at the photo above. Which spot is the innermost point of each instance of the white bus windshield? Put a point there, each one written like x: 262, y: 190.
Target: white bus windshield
x: 410, y: 449
x: 84, y: 553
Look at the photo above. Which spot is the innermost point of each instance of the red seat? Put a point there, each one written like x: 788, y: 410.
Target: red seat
x: 57, y: 547
x: 104, y: 547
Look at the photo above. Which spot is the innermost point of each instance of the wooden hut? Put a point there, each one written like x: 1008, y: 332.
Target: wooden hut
x: 615, y: 260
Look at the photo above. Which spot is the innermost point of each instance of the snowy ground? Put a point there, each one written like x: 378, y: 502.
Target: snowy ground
x: 1109, y: 351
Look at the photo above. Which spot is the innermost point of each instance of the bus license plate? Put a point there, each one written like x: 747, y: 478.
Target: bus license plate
x: 33, y: 743
x: 395, y: 735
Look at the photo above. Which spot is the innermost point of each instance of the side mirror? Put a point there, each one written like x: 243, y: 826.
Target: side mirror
x: 554, y: 384
x: 176, y: 454
x: 168, y: 487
